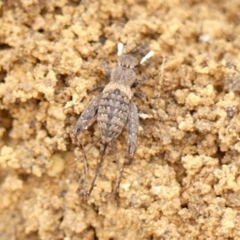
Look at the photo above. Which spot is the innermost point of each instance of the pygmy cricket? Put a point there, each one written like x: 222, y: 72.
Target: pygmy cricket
x: 113, y: 108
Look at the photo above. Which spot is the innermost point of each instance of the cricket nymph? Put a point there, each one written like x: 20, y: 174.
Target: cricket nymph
x: 113, y: 108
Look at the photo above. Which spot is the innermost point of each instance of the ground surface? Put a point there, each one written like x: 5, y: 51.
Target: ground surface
x: 185, y: 180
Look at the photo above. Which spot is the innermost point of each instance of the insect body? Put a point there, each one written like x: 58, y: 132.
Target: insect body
x: 113, y: 108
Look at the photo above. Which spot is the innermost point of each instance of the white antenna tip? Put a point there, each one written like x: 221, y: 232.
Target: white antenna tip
x: 120, y: 49
x: 147, y: 56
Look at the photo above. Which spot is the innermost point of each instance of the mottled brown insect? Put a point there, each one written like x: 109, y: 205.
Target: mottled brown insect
x: 114, y: 107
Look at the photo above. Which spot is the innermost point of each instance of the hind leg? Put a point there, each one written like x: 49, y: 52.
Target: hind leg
x: 132, y: 130
x: 97, y: 170
x: 87, y: 118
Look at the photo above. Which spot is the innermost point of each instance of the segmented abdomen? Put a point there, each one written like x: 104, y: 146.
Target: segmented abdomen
x: 112, y: 115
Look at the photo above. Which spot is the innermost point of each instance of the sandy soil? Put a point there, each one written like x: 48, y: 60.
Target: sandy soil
x: 184, y: 182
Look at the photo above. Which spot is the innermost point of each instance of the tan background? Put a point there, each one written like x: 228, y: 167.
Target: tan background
x: 184, y: 182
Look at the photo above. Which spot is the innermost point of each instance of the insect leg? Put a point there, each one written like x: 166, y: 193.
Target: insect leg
x: 132, y: 130
x: 140, y: 81
x: 106, y: 67
x: 119, y: 169
x: 81, y: 190
x: 113, y: 145
x: 84, y: 153
x: 84, y: 159
x: 97, y: 169
x: 88, y: 116
x: 140, y: 95
x: 95, y: 88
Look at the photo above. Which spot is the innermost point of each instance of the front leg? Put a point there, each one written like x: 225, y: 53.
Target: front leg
x: 140, y: 81
x: 88, y: 116
x: 106, y: 67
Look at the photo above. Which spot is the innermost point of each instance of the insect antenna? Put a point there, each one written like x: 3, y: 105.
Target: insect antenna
x: 120, y: 48
x: 98, y: 168
x: 140, y: 51
x: 147, y: 56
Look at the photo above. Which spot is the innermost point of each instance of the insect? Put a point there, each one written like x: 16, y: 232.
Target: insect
x: 113, y: 108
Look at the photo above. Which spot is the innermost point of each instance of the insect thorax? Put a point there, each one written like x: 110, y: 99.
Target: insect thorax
x: 124, y: 75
